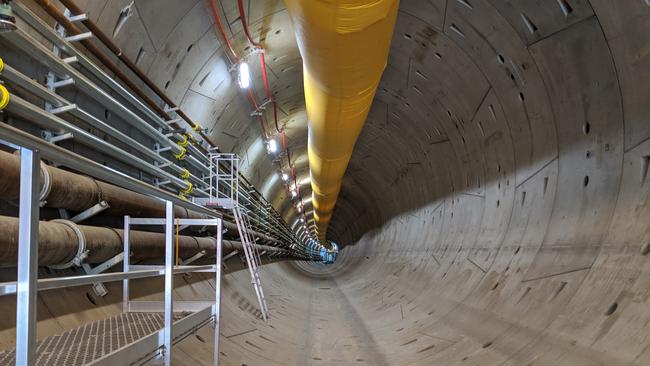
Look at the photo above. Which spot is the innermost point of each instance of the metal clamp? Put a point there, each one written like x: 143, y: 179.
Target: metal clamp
x: 82, y: 253
x: 4, y: 97
x: 47, y: 185
x: 185, y: 174
x: 181, y: 155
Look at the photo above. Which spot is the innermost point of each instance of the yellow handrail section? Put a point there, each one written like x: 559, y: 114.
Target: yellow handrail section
x: 344, y: 46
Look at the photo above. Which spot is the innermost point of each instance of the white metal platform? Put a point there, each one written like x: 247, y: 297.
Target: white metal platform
x: 99, y: 342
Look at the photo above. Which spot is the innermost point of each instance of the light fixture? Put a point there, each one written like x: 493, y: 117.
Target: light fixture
x: 299, y: 208
x: 244, y: 75
x: 272, y: 146
x: 302, y: 219
x: 294, y: 193
x: 7, y: 20
x: 285, y: 177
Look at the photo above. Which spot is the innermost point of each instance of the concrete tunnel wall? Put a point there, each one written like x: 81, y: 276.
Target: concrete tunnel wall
x: 495, y: 211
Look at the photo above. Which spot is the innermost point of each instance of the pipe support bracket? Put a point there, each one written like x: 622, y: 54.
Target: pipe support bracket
x: 82, y: 253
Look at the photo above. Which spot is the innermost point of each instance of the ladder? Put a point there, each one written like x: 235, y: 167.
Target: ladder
x: 223, y: 180
x: 252, y: 257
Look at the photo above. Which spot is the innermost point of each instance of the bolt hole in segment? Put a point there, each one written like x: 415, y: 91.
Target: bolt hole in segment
x: 611, y: 309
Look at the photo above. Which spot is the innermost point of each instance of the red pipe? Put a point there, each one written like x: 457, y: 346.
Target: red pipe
x: 217, y: 18
x: 268, y: 89
x: 242, y: 17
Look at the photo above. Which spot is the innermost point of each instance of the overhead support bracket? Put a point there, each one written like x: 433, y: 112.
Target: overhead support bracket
x: 79, y: 37
x: 54, y: 138
x: 70, y: 60
x: 230, y: 255
x: 61, y: 83
x: 78, y: 18
x: 162, y: 183
x: 192, y: 259
x: 162, y: 149
x: 90, y: 212
x: 163, y: 165
x: 65, y: 108
x: 266, y: 102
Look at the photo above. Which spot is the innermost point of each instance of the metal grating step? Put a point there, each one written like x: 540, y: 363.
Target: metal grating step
x: 91, y: 341
x: 225, y: 203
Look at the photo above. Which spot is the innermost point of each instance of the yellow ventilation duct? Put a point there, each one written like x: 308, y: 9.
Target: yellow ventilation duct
x: 344, y: 46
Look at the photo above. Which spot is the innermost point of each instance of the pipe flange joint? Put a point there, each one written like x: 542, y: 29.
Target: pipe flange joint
x: 47, y: 184
x: 82, y: 253
x: 4, y: 97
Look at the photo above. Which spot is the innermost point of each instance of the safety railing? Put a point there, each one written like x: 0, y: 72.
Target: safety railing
x: 27, y: 285
x: 223, y: 182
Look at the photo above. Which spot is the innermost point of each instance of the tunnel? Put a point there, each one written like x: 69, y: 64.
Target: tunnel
x: 495, y: 209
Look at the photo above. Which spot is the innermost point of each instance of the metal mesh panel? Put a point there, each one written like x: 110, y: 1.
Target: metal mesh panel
x: 91, y: 341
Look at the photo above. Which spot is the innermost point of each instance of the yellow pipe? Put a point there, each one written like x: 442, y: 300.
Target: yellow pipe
x: 344, y: 46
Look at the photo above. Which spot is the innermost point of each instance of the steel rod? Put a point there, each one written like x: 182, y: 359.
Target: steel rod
x: 169, y: 281
x: 126, y: 263
x: 26, y: 287
x: 30, y: 112
x: 217, y: 290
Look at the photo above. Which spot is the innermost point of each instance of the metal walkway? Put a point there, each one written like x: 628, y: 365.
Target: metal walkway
x: 92, y: 341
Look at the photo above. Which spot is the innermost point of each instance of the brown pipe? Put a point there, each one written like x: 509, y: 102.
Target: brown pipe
x: 59, y: 243
x: 78, y: 192
x: 72, y: 29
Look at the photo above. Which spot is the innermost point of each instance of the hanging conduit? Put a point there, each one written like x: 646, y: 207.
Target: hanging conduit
x: 344, y: 46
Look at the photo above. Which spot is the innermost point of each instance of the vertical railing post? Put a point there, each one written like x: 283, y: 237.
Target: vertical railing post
x: 169, y: 281
x: 27, y: 257
x: 126, y: 262
x: 213, y: 192
x: 217, y: 289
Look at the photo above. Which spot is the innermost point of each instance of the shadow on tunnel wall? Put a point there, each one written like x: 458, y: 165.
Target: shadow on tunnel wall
x: 477, y: 111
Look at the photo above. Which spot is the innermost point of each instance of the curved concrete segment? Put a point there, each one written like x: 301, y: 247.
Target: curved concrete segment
x: 496, y: 210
